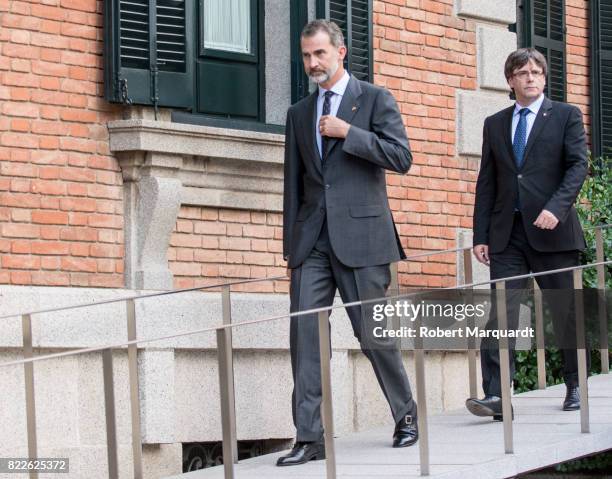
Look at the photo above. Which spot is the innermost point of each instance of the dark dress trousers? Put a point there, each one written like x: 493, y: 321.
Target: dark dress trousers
x: 338, y: 233
x: 550, y: 177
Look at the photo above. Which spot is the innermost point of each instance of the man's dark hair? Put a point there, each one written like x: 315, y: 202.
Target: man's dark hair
x: 335, y: 34
x: 521, y: 57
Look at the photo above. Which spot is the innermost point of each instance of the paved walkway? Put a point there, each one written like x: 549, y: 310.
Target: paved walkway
x: 462, y: 446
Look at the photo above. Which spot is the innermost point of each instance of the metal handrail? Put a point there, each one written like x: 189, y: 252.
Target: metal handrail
x: 224, y: 351
x: 220, y: 285
x: 144, y: 296
x: 187, y: 290
x: 226, y: 377
x: 304, y: 312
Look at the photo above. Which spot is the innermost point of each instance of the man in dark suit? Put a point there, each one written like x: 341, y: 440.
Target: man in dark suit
x: 338, y: 231
x: 534, y: 161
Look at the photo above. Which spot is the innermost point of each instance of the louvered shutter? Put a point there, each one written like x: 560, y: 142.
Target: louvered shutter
x: 148, y: 52
x: 546, y: 32
x: 601, y: 38
x: 355, y: 20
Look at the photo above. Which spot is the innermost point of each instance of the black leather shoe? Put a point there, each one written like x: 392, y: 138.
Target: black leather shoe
x: 488, y: 406
x: 303, y: 452
x: 572, y: 399
x: 406, y: 432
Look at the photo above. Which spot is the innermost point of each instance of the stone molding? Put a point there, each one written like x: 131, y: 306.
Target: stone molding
x: 166, y: 165
x: 499, y: 11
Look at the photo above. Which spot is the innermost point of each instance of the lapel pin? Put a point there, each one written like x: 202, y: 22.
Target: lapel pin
x: 354, y: 108
x: 544, y: 114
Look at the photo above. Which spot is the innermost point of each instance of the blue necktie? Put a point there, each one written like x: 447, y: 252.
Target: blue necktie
x: 326, y: 111
x: 520, y: 138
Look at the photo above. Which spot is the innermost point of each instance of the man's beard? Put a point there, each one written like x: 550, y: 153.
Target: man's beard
x: 322, y: 77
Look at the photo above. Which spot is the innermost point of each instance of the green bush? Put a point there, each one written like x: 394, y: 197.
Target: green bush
x: 594, y: 209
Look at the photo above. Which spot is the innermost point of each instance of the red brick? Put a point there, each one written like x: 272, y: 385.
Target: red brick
x: 50, y: 248
x: 15, y: 230
x: 78, y: 264
x: 20, y: 262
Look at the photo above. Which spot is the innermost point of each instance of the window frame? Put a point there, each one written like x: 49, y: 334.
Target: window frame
x: 227, y: 55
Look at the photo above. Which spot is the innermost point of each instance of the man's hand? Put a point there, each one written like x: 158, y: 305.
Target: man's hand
x: 481, y: 252
x: 546, y: 220
x: 333, y: 127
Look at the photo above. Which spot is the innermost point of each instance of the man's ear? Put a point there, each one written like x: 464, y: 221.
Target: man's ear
x: 512, y: 95
x: 342, y: 51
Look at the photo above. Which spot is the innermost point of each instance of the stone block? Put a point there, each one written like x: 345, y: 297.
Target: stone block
x: 493, y: 46
x: 500, y: 11
x: 162, y: 460
x: 480, y: 272
x: 278, y: 57
x: 472, y: 109
x: 156, y: 379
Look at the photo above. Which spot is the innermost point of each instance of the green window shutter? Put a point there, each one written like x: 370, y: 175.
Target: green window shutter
x: 545, y: 30
x: 354, y: 17
x: 601, y: 65
x: 148, y: 52
x: 299, y: 80
x: 230, y: 84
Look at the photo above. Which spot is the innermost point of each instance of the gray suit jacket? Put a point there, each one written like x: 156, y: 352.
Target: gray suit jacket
x: 348, y: 187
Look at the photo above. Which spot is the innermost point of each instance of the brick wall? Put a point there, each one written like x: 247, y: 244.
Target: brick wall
x: 577, y: 56
x: 210, y: 245
x: 424, y: 54
x: 61, y: 219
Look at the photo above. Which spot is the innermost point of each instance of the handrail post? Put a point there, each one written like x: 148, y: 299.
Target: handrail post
x: 327, y: 409
x: 226, y: 311
x: 134, y: 388
x: 504, y: 366
x: 581, y: 352
x: 394, y: 285
x: 28, y: 371
x: 419, y: 366
x: 393, y: 290
x: 468, y: 279
x: 109, y: 408
x: 226, y: 387
x: 539, y: 332
x: 601, y: 300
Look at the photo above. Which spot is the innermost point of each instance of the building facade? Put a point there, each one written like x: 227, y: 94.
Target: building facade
x: 141, y: 148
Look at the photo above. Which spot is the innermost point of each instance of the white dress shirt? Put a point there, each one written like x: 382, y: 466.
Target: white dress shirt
x: 534, y: 108
x: 339, y: 88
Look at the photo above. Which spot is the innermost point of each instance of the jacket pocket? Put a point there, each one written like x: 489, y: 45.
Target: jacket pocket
x: 365, y: 211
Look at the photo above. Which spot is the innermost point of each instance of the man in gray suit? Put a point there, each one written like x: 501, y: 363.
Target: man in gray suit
x: 338, y: 231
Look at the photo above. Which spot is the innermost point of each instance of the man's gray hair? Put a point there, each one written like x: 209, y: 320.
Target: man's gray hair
x: 335, y: 34
x: 519, y: 58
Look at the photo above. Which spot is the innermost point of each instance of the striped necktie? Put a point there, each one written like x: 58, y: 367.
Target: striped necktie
x: 326, y: 110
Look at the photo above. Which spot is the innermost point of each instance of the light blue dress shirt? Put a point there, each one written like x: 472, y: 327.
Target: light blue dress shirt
x: 339, y: 88
x: 534, y: 108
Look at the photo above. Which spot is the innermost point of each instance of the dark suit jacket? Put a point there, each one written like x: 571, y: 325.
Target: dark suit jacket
x: 552, y: 173
x: 348, y: 187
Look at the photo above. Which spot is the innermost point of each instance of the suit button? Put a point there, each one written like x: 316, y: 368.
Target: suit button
x: 519, y: 176
x: 322, y: 210
x: 327, y: 187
